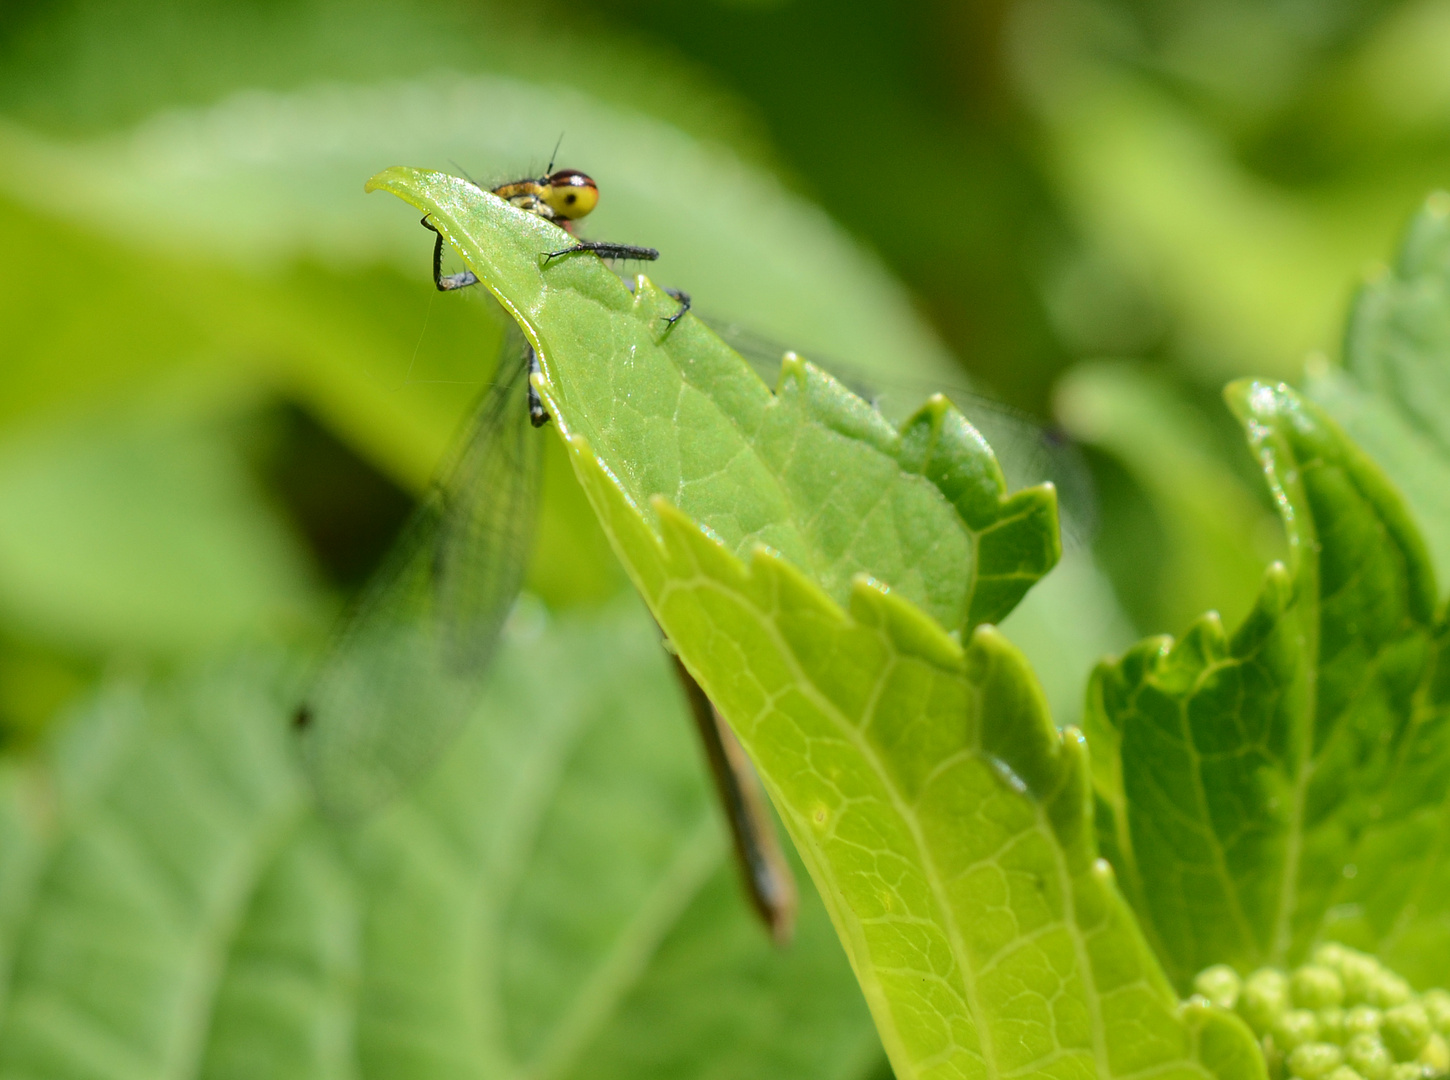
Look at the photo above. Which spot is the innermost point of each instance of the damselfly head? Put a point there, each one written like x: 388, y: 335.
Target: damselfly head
x: 569, y: 193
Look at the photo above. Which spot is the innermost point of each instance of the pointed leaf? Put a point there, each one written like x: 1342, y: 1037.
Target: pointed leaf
x: 170, y: 907
x: 945, y: 820
x: 1267, y: 788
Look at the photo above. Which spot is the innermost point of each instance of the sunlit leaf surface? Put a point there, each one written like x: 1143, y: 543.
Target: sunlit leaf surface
x: 944, y: 818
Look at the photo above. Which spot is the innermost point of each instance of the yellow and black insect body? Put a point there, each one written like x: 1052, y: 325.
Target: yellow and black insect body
x: 562, y: 197
x: 565, y: 196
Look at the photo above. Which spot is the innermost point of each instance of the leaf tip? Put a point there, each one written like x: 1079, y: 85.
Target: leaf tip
x: 794, y: 374
x: 391, y: 179
x: 762, y: 552
x: 867, y: 583
x: 931, y: 414
x: 1278, y: 578
x: 873, y: 603
x: 1253, y: 399
x: 1205, y: 638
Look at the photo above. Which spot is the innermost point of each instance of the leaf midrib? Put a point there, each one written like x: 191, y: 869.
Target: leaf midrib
x: 1200, y: 794
x: 1308, y: 622
x: 1304, y: 542
x: 696, y: 858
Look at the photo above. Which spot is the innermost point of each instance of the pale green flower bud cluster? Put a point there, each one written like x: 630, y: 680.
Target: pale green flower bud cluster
x: 1342, y: 1016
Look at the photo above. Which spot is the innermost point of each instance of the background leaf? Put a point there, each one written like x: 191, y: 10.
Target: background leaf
x: 147, y: 534
x: 174, y: 908
x: 1189, y: 185
x: 1392, y: 391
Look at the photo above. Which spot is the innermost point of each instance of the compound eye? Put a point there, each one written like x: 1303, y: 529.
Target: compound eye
x: 570, y: 194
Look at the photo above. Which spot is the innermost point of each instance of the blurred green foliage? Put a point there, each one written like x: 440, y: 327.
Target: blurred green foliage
x: 223, y: 372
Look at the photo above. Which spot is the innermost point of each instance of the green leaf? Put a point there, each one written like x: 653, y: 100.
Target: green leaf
x: 264, y: 180
x: 227, y: 247
x: 945, y: 820
x: 170, y: 906
x: 1399, y: 330
x: 1268, y: 788
x: 165, y: 822
x: 1416, y: 466
x: 1393, y: 395
x: 538, y: 899
x: 213, y: 339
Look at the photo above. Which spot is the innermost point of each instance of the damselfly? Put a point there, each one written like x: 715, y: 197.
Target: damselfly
x: 408, y: 664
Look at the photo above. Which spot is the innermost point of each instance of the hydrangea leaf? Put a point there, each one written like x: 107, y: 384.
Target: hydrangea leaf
x: 788, y: 545
x: 535, y: 895
x: 1393, y: 393
x: 171, y: 907
x: 1399, y: 330
x: 1286, y: 782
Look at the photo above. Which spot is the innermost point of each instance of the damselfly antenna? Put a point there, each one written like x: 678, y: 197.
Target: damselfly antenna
x: 555, y: 155
x: 464, y: 171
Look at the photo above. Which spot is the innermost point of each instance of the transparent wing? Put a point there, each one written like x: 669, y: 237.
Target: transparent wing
x: 1028, y: 452
x: 407, y: 665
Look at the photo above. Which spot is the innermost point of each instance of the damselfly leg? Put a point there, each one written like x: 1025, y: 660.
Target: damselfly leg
x: 538, y: 415
x: 605, y: 250
x: 767, y: 876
